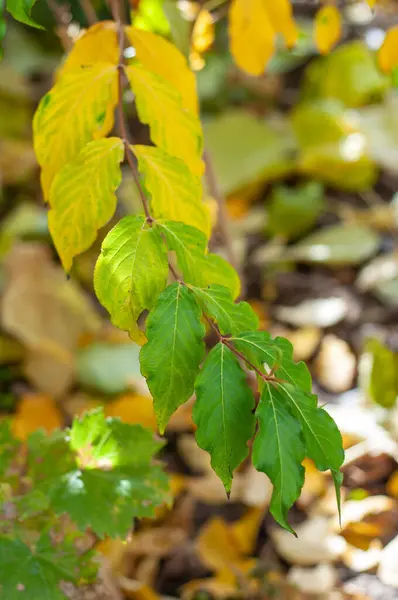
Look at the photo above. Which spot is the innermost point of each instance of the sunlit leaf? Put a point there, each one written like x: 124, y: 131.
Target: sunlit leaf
x: 388, y: 53
x: 327, y: 28
x: 170, y: 359
x: 78, y: 109
x: 176, y: 194
x: 98, y: 44
x: 173, y: 67
x: 203, y: 32
x: 278, y: 451
x: 130, y: 272
x: 82, y: 197
x: 223, y: 412
x: 173, y: 129
x: 281, y: 18
x: 251, y: 35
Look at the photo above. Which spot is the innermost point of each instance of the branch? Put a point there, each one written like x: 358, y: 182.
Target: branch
x: 61, y: 16
x: 89, y: 11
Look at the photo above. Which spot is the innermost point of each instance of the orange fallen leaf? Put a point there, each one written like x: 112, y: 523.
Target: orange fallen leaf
x: 132, y: 408
x: 36, y: 412
x: 392, y: 485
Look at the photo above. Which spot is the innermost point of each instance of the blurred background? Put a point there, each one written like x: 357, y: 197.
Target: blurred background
x: 307, y: 159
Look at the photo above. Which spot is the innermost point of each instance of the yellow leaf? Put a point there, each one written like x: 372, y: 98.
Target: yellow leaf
x: 36, y: 412
x: 97, y: 44
x: 173, y: 128
x: 327, y: 29
x: 132, y: 409
x: 165, y: 60
x: 82, y: 197
x: 281, y: 17
x: 176, y: 194
x: 78, y: 109
x: 388, y: 53
x: 252, y: 37
x: 203, y: 32
x: 246, y: 529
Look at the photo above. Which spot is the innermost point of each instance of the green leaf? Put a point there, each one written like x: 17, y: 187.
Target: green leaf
x: 82, y: 197
x: 131, y: 272
x: 216, y: 301
x: 294, y: 210
x: 278, y: 451
x: 223, y: 412
x: 109, y: 368
x: 102, y: 473
x: 322, y: 438
x: 382, y: 380
x: 277, y: 354
x: 35, y: 574
x: 21, y: 11
x: 337, y: 245
x: 265, y: 150
x: 198, y: 268
x: 176, y: 194
x: 170, y: 360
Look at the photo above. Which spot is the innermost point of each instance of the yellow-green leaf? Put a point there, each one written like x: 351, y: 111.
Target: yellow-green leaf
x: 98, y: 44
x: 176, y: 194
x: 327, y: 29
x: 173, y: 128
x: 163, y: 58
x: 388, y: 53
x: 82, y: 197
x: 251, y: 35
x: 131, y: 272
x: 78, y: 109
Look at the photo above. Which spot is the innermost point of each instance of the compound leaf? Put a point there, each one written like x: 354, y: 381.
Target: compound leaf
x: 170, y: 359
x: 21, y: 11
x: 174, y: 129
x: 278, y: 451
x: 173, y: 67
x: 251, y: 45
x: 223, y: 412
x: 231, y: 318
x: 82, y: 197
x: 176, y: 194
x: 131, y: 271
x: 78, y: 109
x: 199, y: 269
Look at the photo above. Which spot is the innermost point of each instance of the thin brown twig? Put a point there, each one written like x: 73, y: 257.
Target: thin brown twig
x: 89, y: 11
x: 61, y: 16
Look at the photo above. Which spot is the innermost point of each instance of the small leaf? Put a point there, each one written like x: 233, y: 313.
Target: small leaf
x: 173, y: 67
x: 98, y: 44
x: 327, y: 31
x: 278, y: 451
x: 382, y: 380
x: 176, y: 194
x: 170, y: 360
x: 277, y: 354
x: 131, y: 272
x: 203, y: 33
x: 223, y: 412
x: 252, y: 37
x: 281, y: 18
x: 36, y: 574
x: 293, y: 211
x: 337, y: 245
x: 388, y: 53
x: 173, y: 129
x: 216, y: 302
x: 198, y: 268
x: 82, y: 197
x: 21, y: 11
x: 78, y: 109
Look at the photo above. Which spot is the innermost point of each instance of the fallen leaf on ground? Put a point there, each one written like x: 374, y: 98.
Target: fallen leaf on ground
x: 132, y: 408
x: 319, y: 580
x: 36, y: 412
x: 388, y: 567
x: 335, y: 364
